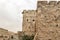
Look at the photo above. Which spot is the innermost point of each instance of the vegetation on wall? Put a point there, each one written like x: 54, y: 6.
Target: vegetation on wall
x: 26, y: 37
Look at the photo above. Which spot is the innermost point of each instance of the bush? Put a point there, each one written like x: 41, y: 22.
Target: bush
x: 26, y: 37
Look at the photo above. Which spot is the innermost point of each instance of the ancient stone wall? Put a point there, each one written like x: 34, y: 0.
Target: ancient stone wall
x: 48, y: 21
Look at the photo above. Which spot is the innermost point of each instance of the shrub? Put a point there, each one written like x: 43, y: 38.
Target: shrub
x: 26, y: 37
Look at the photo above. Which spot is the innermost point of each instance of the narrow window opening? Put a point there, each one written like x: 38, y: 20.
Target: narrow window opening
x: 33, y: 20
x: 27, y: 19
x: 11, y: 37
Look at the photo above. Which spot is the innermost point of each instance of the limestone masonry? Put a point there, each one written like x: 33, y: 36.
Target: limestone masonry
x: 44, y: 22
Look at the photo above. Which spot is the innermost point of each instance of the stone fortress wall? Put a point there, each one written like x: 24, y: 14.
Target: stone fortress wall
x: 48, y: 20
x: 43, y: 22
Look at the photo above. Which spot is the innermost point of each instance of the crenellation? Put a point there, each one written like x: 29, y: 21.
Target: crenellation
x: 53, y: 3
x: 41, y: 4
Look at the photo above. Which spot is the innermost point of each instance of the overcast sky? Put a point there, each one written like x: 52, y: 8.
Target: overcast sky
x: 10, y: 13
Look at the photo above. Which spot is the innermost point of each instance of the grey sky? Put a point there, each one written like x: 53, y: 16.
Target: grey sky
x: 10, y: 13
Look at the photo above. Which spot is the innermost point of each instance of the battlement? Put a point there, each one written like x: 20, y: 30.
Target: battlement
x: 45, y: 3
x: 28, y: 11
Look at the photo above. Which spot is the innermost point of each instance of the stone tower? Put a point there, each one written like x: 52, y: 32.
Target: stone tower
x: 29, y: 22
x: 48, y: 20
